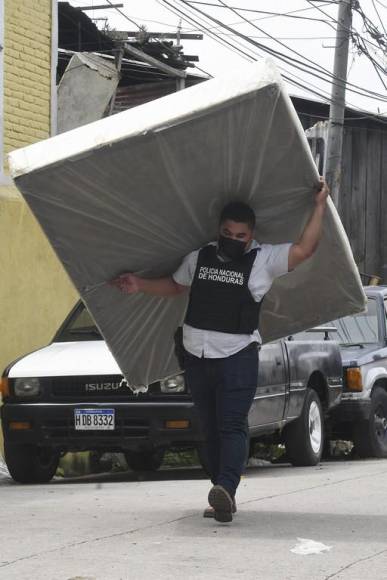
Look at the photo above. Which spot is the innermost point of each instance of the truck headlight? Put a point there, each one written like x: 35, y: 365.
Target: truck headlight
x: 29, y: 387
x: 174, y: 384
x: 354, y: 380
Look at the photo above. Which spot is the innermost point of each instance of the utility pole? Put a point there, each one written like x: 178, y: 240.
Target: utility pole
x: 119, y: 54
x: 180, y: 82
x: 337, y: 108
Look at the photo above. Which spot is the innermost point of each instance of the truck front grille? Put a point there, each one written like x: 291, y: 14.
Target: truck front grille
x: 93, y: 387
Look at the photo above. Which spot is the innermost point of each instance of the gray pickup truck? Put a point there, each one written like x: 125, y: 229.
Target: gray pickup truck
x: 361, y: 416
x: 71, y: 396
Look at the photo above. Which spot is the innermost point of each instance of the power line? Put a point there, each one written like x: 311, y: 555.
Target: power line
x: 374, y: 63
x: 273, y: 15
x: 291, y: 37
x: 315, y: 66
x: 143, y: 19
x: 123, y: 14
x: 325, y: 71
x: 355, y: 36
x: 370, y: 28
x: 326, y: 118
x: 255, y: 57
x: 271, y: 37
x: 204, y: 71
x: 288, y: 14
x: 210, y: 32
x: 325, y: 14
x: 376, y: 35
x: 377, y: 12
x: 327, y: 98
x: 318, y: 92
x: 269, y: 14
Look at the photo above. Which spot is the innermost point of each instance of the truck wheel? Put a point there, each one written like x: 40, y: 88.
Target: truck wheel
x: 370, y: 437
x: 304, y: 437
x: 30, y: 463
x: 145, y: 460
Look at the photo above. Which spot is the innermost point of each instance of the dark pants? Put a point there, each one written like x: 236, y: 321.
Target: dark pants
x: 223, y: 390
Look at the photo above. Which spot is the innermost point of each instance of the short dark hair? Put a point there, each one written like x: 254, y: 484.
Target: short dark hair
x: 238, y: 211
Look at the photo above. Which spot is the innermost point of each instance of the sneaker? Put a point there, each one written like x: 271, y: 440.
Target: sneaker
x: 222, y: 502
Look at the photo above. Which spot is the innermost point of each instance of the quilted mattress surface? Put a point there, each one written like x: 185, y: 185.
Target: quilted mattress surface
x: 137, y: 191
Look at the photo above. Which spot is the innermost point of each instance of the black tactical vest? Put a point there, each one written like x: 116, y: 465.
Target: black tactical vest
x: 220, y: 299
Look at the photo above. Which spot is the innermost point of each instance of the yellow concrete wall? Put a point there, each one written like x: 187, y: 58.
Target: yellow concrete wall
x: 35, y: 292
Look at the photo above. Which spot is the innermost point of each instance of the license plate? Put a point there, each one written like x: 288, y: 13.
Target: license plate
x: 94, y: 419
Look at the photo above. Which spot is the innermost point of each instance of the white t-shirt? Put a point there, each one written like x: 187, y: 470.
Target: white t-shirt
x: 270, y: 263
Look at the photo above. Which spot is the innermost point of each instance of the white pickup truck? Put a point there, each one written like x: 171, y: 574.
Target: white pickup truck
x: 71, y: 396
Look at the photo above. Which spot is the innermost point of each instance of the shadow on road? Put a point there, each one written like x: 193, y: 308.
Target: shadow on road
x: 276, y: 524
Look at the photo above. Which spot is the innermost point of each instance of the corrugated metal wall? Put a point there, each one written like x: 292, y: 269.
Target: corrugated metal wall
x: 363, y: 197
x: 131, y: 96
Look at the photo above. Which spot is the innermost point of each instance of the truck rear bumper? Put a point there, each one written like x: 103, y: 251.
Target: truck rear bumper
x: 138, y: 425
x: 351, y: 411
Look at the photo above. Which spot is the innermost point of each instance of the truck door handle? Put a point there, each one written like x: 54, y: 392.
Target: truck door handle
x: 278, y: 362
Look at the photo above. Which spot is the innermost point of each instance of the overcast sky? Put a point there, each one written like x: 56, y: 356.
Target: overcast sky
x: 314, y: 39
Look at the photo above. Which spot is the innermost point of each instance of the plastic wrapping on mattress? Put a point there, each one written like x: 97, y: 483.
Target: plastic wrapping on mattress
x: 137, y: 191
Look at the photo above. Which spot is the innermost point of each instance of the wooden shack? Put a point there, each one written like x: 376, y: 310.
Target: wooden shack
x: 363, y: 193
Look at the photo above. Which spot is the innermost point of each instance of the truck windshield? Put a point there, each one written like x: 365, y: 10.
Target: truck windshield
x: 356, y: 330
x: 78, y: 326
x: 359, y: 329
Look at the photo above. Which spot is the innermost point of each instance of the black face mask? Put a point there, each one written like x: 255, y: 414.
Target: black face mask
x: 231, y: 249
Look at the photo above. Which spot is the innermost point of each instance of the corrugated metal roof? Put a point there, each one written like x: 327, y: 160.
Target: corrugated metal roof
x: 131, y: 96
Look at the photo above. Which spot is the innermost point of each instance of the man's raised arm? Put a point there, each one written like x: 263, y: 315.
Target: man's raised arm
x: 309, y: 240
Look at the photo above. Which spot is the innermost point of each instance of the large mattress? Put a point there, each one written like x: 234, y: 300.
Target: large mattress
x: 137, y: 191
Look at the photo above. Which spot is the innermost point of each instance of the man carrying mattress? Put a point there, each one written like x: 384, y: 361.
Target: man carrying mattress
x: 227, y: 281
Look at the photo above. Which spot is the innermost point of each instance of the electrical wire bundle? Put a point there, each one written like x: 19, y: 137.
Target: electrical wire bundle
x: 248, y: 47
x: 290, y: 61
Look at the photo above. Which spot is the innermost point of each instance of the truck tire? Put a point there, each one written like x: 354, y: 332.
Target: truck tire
x: 145, y: 460
x: 304, y: 437
x: 370, y: 437
x: 30, y: 463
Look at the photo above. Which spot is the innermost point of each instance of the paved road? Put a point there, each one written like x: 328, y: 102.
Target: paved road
x: 116, y: 527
